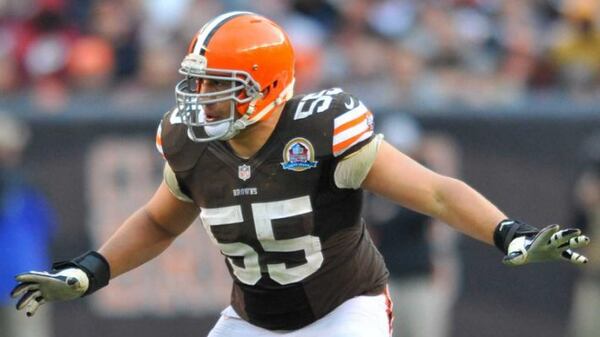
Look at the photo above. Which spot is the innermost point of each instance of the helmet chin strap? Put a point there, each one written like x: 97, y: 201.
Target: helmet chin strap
x: 244, y: 121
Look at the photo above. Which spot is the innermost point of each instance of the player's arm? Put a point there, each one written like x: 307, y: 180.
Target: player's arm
x: 148, y: 231
x: 143, y: 236
x: 401, y: 179
x: 397, y: 177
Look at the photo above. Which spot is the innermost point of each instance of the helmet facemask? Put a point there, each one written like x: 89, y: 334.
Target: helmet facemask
x: 240, y: 89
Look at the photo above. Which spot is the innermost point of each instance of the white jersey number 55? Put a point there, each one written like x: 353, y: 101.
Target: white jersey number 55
x: 263, y: 213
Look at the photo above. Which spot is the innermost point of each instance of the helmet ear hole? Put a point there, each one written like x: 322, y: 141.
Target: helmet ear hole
x: 266, y: 91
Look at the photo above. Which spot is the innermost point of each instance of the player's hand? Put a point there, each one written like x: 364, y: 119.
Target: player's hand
x: 548, y: 244
x: 36, y: 288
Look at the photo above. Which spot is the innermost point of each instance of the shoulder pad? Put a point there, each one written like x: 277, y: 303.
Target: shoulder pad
x: 180, y: 152
x: 352, y: 125
x: 340, y: 117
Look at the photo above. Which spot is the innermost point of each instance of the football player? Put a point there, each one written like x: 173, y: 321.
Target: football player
x: 277, y: 181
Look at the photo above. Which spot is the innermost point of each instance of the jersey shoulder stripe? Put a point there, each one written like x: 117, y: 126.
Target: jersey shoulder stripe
x: 159, y: 145
x: 351, y: 127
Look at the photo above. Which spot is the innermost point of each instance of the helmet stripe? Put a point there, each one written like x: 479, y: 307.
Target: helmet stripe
x: 209, y: 29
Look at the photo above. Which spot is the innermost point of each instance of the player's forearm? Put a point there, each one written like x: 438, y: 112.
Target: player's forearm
x: 139, y: 239
x: 465, y: 209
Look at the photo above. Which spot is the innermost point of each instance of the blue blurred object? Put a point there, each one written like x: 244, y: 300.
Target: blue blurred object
x: 26, y: 225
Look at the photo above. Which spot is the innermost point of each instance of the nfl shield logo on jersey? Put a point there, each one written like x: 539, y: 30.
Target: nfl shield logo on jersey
x: 244, y: 172
x: 298, y: 155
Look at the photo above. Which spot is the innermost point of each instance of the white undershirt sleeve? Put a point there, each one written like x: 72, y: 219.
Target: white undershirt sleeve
x: 173, y: 184
x: 351, y: 171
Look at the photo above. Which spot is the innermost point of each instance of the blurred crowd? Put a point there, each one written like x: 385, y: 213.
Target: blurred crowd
x: 425, y: 53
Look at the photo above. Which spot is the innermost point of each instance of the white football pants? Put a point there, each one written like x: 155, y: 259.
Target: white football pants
x: 362, y: 316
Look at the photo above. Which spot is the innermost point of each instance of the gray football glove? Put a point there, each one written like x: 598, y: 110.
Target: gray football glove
x: 70, y: 279
x: 36, y: 288
x: 549, y: 244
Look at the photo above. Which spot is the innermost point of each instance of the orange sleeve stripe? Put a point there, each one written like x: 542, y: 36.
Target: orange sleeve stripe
x: 159, y: 140
x: 343, y: 146
x: 350, y: 124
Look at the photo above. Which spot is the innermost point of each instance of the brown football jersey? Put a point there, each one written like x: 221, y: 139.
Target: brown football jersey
x: 294, y: 243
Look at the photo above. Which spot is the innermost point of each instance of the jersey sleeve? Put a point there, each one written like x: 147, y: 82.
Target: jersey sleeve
x: 169, y: 176
x: 352, y: 126
x: 179, y: 152
x: 170, y: 180
x: 352, y: 170
x: 354, y: 143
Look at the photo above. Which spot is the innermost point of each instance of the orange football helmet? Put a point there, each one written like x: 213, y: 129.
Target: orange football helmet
x: 254, y: 55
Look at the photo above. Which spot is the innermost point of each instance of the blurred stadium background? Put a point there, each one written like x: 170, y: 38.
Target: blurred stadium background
x: 515, y: 83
